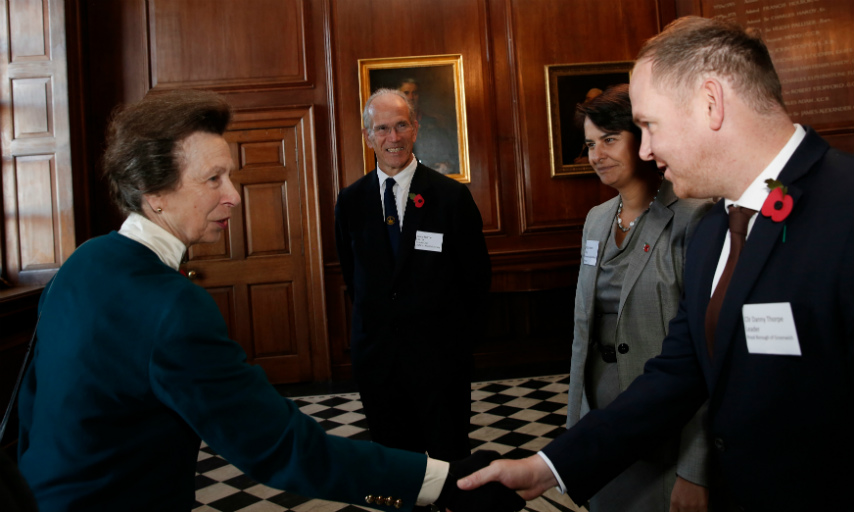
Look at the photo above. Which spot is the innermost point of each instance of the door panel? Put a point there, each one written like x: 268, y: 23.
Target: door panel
x: 258, y: 272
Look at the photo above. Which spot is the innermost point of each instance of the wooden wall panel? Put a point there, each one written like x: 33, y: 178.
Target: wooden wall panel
x: 365, y: 29
x: 541, y: 38
x: 36, y: 155
x: 29, y: 29
x: 273, y: 318
x: 227, y: 45
x: 36, y: 183
x: 33, y: 107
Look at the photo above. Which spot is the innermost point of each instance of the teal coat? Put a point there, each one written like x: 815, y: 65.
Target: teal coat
x: 133, y: 365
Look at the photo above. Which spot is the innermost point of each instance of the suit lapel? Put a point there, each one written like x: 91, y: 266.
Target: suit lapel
x: 761, y: 240
x: 600, y: 230
x: 657, y: 219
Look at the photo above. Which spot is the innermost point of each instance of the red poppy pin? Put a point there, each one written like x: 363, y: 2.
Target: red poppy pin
x: 779, y: 204
x: 417, y: 199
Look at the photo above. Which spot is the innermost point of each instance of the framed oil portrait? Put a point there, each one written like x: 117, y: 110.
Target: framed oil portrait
x: 434, y: 84
x: 567, y: 85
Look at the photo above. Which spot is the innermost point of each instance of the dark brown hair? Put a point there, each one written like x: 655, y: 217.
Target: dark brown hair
x: 142, y: 155
x: 611, y: 111
x: 692, y: 47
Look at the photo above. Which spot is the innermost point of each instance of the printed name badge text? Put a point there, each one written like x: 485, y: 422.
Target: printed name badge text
x: 770, y: 329
x: 427, y: 241
x: 591, y: 251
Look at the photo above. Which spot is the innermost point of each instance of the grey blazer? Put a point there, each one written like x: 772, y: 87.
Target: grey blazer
x: 648, y: 301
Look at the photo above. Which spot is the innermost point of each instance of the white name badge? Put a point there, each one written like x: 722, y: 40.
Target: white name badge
x: 591, y: 251
x: 770, y: 329
x: 427, y: 241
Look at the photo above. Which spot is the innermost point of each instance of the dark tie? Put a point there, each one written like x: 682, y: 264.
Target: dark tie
x: 738, y: 219
x: 392, y: 222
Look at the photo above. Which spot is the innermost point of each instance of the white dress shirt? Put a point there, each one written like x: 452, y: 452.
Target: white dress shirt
x: 402, y: 180
x: 756, y: 193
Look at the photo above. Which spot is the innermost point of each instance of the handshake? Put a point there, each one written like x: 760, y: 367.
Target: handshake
x: 490, y: 497
x: 487, y: 487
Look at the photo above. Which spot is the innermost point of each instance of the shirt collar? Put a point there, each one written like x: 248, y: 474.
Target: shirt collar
x: 403, y: 177
x: 165, y: 245
x: 756, y: 193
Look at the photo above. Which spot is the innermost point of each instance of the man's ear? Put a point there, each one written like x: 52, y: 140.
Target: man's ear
x: 366, y: 137
x: 712, y: 94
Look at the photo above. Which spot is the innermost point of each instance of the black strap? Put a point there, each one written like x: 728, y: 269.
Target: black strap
x: 21, y: 373
x: 23, y: 370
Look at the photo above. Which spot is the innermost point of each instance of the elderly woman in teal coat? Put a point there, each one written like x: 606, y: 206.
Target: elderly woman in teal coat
x: 133, y: 364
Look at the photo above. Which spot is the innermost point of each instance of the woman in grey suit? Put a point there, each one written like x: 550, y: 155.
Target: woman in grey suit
x: 629, y: 286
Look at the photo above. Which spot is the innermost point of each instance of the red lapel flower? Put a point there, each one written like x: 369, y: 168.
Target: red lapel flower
x: 778, y: 205
x: 417, y: 199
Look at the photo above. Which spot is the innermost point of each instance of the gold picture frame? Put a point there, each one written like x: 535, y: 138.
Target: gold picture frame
x: 567, y: 85
x: 442, y: 140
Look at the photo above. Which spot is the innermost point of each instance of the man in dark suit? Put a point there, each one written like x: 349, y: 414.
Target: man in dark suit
x: 415, y: 263
x: 777, y: 364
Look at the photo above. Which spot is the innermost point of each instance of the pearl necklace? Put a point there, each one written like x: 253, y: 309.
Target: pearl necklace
x: 632, y: 223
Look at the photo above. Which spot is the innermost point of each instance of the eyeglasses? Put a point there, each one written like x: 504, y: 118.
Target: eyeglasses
x: 400, y: 128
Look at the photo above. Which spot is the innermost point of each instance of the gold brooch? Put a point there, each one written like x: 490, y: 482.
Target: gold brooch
x: 389, y: 220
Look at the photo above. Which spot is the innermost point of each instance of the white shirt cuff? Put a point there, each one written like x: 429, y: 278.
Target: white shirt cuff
x: 434, y: 480
x: 560, y: 487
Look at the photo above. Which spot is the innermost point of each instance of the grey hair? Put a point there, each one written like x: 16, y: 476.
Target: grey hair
x: 368, y: 115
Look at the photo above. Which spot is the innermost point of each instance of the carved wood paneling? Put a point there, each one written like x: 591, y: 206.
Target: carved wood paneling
x: 274, y: 321
x: 32, y: 107
x: 29, y: 29
x: 35, y: 186
x: 227, y: 45
x: 398, y: 28
x: 270, y: 264
x: 266, y: 207
x: 540, y: 38
x: 36, y: 169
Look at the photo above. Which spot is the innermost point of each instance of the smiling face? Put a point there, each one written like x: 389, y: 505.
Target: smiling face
x: 671, y: 134
x: 613, y: 154
x: 391, y: 134
x: 198, y: 209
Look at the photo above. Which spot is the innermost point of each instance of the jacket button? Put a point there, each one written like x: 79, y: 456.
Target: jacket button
x: 398, y: 503
x: 719, y: 444
x: 388, y: 501
x: 622, y: 348
x: 369, y: 499
x: 394, y: 296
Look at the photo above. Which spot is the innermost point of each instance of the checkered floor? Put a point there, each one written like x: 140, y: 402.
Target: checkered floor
x: 513, y: 417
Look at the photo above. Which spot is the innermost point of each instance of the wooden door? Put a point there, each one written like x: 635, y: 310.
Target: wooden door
x: 258, y: 273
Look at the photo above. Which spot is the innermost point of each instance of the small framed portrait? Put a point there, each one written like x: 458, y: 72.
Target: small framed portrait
x: 568, y: 85
x: 434, y: 85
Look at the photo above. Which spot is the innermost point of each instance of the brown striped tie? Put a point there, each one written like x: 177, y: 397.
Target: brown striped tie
x: 738, y: 220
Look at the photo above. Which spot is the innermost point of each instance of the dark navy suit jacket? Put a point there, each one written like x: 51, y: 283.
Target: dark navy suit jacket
x: 781, y: 425
x: 420, y: 309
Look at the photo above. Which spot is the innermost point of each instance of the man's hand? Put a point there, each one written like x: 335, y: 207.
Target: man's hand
x: 531, y: 477
x: 688, y: 497
x: 492, y: 497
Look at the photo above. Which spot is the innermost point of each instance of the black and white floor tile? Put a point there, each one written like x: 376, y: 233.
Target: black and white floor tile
x: 513, y: 417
